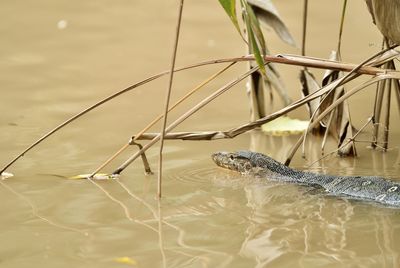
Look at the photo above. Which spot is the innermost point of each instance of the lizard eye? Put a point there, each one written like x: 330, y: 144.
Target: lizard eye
x: 231, y: 157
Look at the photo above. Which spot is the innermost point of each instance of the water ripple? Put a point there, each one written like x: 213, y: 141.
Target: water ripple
x: 194, y: 175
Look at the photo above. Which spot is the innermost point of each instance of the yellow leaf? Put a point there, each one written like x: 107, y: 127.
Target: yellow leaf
x: 126, y: 260
x: 284, y: 125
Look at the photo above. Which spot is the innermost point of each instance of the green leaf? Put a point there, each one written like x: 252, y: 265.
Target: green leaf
x: 254, y: 46
x: 230, y: 9
x: 267, y: 13
x: 255, y: 26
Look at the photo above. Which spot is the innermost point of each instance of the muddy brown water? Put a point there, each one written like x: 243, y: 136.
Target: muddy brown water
x: 59, y: 57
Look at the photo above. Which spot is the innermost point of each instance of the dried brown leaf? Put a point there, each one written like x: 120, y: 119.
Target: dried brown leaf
x: 267, y: 13
x: 386, y: 14
x: 338, y: 123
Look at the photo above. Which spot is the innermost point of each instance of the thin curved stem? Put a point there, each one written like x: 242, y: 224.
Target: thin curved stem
x: 184, y: 117
x: 352, y: 139
x: 152, y: 123
x: 282, y: 59
x: 334, y: 105
x: 338, y: 83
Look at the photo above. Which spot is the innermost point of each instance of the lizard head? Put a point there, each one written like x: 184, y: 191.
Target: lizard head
x: 238, y: 161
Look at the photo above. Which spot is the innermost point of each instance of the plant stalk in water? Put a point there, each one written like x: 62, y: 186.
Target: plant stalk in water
x: 185, y: 116
x: 304, y: 33
x: 152, y: 123
x: 282, y: 59
x: 167, y: 98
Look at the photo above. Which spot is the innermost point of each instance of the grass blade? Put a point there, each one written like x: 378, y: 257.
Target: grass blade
x: 230, y: 9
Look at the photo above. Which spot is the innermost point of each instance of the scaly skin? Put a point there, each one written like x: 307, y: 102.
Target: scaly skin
x: 375, y: 189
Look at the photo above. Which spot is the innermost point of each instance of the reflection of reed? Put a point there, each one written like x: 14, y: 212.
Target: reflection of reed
x: 157, y: 216
x: 289, y: 228
x: 277, y: 233
x: 36, y: 214
x: 225, y: 258
x: 115, y: 200
x: 160, y: 235
x: 385, y: 241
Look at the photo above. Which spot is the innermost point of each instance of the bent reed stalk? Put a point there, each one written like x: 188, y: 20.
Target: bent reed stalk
x: 185, y: 116
x: 349, y: 76
x: 152, y: 123
x: 336, y: 103
x: 281, y: 59
x: 216, y: 135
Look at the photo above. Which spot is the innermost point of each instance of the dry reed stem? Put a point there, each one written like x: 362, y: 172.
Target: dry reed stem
x: 211, y: 135
x: 377, y: 111
x: 146, y: 164
x: 152, y: 123
x: 352, y: 139
x: 167, y: 100
x: 304, y: 32
x: 109, y: 160
x: 349, y: 76
x: 339, y: 45
x: 186, y: 96
x: 282, y: 59
x: 387, y: 116
x: 397, y: 91
x: 189, y: 113
x: 332, y: 114
x: 328, y: 125
x: 339, y: 101
x: 105, y: 100
x: 215, y: 135
x: 393, y: 84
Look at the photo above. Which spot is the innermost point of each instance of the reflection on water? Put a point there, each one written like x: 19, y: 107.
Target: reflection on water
x: 312, y: 231
x: 212, y: 218
x: 58, y: 58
